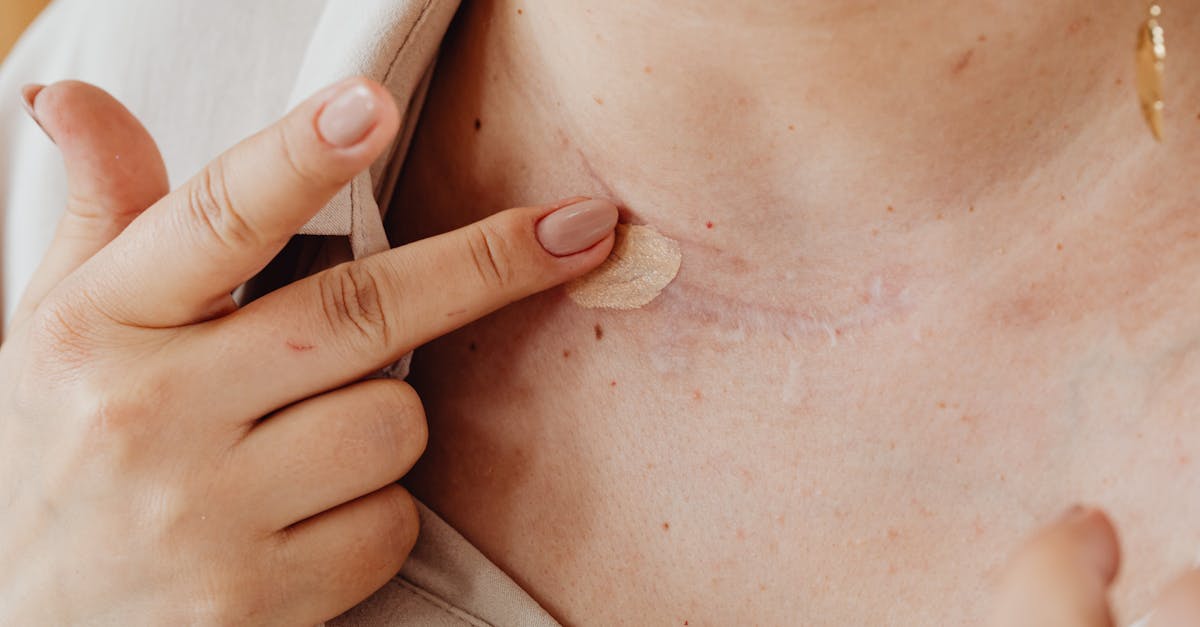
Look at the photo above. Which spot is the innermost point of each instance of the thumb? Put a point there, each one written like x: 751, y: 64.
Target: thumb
x: 1061, y: 577
x: 114, y: 172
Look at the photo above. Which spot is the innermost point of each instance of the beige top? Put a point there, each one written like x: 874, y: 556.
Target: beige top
x: 202, y: 74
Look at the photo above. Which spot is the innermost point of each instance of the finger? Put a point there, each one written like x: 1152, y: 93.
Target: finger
x: 331, y: 449
x: 342, y: 324
x: 332, y: 562
x: 1179, y: 605
x: 114, y: 172
x: 180, y: 260
x: 1060, y: 578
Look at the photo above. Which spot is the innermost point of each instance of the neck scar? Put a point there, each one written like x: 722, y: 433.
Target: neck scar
x: 642, y: 263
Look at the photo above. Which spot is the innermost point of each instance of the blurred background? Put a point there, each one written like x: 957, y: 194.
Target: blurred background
x: 15, y: 15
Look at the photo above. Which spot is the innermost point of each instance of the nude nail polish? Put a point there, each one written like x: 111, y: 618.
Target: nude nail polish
x: 349, y: 116
x: 577, y: 227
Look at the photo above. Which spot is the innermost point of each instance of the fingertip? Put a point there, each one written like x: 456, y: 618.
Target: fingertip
x: 1179, y: 605
x: 577, y: 226
x: 356, y: 113
x: 1099, y: 547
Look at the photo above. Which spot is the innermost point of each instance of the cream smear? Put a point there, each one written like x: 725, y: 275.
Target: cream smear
x: 642, y: 263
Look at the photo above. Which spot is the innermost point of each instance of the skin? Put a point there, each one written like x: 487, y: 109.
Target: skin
x: 93, y: 403
x: 185, y: 449
x: 949, y: 287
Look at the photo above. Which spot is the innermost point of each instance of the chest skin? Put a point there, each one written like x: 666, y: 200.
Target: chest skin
x: 765, y: 445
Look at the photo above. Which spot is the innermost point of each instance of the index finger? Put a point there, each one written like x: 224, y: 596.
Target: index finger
x: 339, y: 325
x: 192, y: 248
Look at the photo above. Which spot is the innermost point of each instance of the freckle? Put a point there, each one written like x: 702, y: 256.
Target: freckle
x: 791, y: 127
x: 940, y: 217
x: 1058, y: 245
x: 708, y: 225
x: 666, y: 526
x: 1118, y: 82
x: 942, y: 405
x: 891, y: 209
x: 566, y: 354
x: 478, y: 124
x: 599, y: 330
x: 981, y: 38
x: 971, y: 209
x: 598, y: 100
x: 471, y: 347
x: 874, y: 232
x: 1062, y: 196
x: 520, y: 12
x: 893, y: 534
x: 697, y: 395
x: 741, y: 534
x: 648, y: 69
x: 762, y: 587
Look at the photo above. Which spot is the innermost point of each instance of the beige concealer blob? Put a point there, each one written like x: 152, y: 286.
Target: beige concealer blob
x: 642, y: 263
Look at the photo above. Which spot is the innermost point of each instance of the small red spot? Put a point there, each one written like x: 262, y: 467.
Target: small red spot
x: 298, y: 347
x: 697, y: 395
x: 741, y: 534
x: 612, y: 384
x: 456, y: 312
x: 963, y: 62
x: 599, y: 330
x: 566, y: 354
x: 981, y: 38
x: 708, y: 225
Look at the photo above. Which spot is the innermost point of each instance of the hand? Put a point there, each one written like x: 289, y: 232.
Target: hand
x: 166, y: 458
x: 1061, y: 577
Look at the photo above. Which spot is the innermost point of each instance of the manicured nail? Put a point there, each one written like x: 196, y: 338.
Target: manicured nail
x: 348, y: 116
x: 29, y: 94
x: 577, y: 227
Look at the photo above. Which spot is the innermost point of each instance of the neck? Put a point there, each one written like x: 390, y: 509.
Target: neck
x: 858, y: 138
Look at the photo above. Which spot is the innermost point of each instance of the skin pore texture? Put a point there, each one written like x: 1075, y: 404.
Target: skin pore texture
x: 938, y: 283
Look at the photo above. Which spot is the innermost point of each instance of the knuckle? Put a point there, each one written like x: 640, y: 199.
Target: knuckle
x: 211, y: 205
x: 61, y: 334
x: 492, y: 248
x: 352, y: 301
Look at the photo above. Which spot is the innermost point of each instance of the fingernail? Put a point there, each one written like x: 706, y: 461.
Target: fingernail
x: 29, y: 94
x: 577, y: 227
x: 348, y: 116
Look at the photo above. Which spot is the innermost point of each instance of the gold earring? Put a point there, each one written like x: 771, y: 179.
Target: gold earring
x: 1151, y: 61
